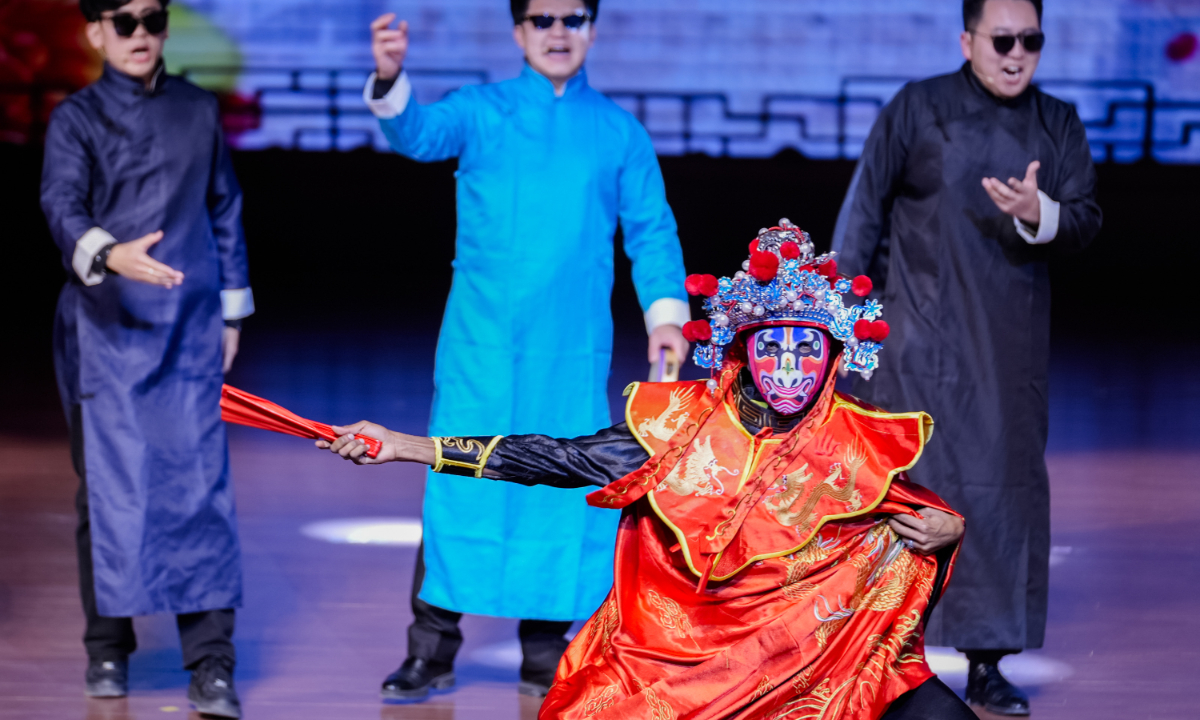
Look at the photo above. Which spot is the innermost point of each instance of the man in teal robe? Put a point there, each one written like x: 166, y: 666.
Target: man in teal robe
x: 547, y: 168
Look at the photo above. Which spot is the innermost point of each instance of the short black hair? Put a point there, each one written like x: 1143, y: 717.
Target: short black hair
x: 520, y: 8
x: 92, y: 9
x: 973, y: 12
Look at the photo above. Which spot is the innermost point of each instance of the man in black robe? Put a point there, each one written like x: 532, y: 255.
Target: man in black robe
x: 961, y: 260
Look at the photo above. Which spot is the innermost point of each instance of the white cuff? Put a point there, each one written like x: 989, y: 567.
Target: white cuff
x: 237, y: 304
x: 86, y: 248
x: 393, y: 102
x: 667, y: 311
x: 1047, y: 228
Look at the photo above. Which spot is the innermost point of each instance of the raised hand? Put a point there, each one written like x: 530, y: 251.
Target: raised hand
x: 388, y: 46
x: 130, y: 260
x: 1018, y: 198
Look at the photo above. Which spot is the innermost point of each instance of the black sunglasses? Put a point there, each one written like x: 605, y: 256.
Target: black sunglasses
x: 126, y: 24
x: 570, y: 22
x: 1033, y: 42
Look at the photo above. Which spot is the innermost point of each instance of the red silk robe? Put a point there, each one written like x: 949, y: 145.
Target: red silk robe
x: 756, y: 576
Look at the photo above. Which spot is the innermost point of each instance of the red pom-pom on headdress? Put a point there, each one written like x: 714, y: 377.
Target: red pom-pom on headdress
x: 763, y: 266
x: 789, y: 250
x: 828, y: 269
x: 697, y: 331
x: 862, y: 329
x: 866, y: 330
x: 861, y: 286
x: 705, y: 285
x: 754, y: 246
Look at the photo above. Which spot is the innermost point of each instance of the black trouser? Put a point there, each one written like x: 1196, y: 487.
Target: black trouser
x: 205, y: 633
x: 988, y: 657
x: 931, y: 700
x: 435, y: 635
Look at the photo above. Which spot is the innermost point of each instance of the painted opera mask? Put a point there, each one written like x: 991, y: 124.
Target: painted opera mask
x: 788, y: 365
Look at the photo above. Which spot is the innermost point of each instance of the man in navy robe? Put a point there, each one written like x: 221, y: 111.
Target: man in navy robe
x: 141, y: 199
x: 961, y: 257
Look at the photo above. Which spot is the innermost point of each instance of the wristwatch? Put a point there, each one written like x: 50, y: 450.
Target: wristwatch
x: 100, y: 262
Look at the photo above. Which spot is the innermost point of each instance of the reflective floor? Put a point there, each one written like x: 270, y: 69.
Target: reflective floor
x: 329, y: 549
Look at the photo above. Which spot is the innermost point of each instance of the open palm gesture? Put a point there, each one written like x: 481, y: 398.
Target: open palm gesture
x: 1018, y: 198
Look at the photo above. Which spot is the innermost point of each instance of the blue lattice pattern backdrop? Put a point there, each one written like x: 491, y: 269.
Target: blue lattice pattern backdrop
x: 747, y: 78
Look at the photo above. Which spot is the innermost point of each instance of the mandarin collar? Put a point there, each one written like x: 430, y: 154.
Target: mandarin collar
x: 980, y: 90
x: 128, y: 89
x: 539, y: 87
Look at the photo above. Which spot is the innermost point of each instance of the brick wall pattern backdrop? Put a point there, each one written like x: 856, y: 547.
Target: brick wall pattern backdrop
x: 744, y: 79
x: 726, y: 64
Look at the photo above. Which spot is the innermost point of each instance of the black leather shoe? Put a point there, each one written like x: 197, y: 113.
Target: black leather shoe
x: 211, y: 689
x: 988, y: 688
x: 416, y: 678
x: 107, y: 678
x: 535, y: 685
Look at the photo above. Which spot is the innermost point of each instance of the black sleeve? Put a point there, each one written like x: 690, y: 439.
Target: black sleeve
x: 1079, y: 217
x: 592, y: 460
x: 381, y: 87
x: 863, y: 225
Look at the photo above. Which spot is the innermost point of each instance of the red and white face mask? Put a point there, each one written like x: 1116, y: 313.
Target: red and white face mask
x: 788, y: 365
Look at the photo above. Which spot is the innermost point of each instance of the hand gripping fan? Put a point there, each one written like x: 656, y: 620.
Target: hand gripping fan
x: 666, y: 368
x: 238, y: 406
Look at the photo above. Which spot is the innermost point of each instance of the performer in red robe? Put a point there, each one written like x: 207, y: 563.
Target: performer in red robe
x: 772, y: 560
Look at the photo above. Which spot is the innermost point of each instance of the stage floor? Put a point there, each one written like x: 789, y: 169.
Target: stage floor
x: 326, y: 603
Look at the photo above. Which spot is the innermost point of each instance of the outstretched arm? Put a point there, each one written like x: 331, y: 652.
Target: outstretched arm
x: 591, y: 460
x: 396, y: 447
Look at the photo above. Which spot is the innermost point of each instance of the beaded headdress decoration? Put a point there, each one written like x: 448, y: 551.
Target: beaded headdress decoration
x: 783, y: 283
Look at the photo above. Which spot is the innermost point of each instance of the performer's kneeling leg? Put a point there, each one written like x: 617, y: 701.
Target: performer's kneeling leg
x: 932, y: 700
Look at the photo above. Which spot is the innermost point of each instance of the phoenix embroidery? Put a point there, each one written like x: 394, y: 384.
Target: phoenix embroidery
x: 697, y: 473
x: 665, y: 425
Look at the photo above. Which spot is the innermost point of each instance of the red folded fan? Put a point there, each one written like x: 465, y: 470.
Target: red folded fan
x: 238, y: 406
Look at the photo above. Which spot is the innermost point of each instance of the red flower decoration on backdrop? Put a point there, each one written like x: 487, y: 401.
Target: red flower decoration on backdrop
x: 41, y: 43
x: 789, y: 250
x: 697, y: 331
x: 1182, y: 47
x: 861, y: 286
x: 763, y: 266
x: 705, y: 285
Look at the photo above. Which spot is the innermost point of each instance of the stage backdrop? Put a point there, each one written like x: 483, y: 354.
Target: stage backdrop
x: 744, y: 79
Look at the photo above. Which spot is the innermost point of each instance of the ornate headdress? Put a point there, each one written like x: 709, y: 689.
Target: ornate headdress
x: 784, y: 284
